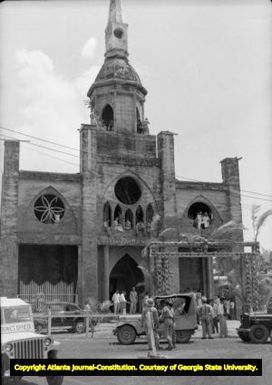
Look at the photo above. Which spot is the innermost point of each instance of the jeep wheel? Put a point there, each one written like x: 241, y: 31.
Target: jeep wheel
x: 258, y: 334
x: 244, y: 336
x: 54, y: 380
x: 183, y: 336
x: 80, y: 327
x: 126, y: 335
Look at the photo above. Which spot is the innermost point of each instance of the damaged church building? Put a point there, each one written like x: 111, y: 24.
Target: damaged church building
x: 81, y: 235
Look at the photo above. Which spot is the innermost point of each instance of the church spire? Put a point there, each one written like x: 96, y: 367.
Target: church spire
x: 116, y: 32
x: 115, y: 12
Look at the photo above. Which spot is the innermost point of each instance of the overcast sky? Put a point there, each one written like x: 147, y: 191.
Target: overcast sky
x: 206, y: 65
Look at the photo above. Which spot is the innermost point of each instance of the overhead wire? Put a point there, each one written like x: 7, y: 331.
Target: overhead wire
x: 77, y: 156
x: 38, y: 138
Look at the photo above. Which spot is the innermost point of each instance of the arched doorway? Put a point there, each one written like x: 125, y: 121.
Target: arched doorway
x: 124, y: 275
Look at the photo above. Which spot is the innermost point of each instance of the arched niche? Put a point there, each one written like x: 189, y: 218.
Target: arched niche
x: 117, y: 216
x: 124, y: 275
x: 107, y: 117
x: 202, y: 216
x: 107, y: 218
x: 149, y: 213
x: 128, y: 220
x: 139, y: 214
x: 140, y: 128
x: 33, y: 218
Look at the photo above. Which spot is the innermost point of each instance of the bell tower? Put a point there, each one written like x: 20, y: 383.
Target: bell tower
x: 117, y: 96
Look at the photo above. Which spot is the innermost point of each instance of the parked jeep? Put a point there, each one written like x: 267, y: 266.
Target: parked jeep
x: 184, y: 306
x: 255, y: 327
x: 19, y: 340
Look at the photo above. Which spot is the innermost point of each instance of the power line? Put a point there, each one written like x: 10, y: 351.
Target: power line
x: 247, y: 191
x: 45, y: 147
x: 77, y: 156
x: 37, y: 138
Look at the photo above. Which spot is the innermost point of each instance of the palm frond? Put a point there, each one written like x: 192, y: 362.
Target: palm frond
x: 261, y: 221
x: 226, y: 230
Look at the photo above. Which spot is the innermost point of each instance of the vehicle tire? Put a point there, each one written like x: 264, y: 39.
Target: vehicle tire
x: 183, y: 336
x: 258, y: 334
x: 126, y: 335
x: 80, y: 327
x: 244, y: 336
x: 54, y: 380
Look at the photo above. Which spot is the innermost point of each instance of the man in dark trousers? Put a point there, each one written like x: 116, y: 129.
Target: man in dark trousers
x: 206, y: 315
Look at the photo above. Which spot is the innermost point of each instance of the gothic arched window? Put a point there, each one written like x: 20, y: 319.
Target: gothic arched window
x: 140, y: 128
x: 149, y: 213
x: 49, y: 209
x: 107, y: 117
x: 117, y: 214
x: 139, y: 214
x: 201, y: 215
x: 128, y: 220
x: 107, y: 214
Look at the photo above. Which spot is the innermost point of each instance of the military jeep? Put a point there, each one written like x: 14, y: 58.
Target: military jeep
x: 255, y: 327
x: 19, y: 340
x: 130, y: 326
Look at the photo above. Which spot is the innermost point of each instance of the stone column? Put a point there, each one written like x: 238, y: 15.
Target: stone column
x: 231, y: 179
x: 106, y: 277
x: 168, y: 179
x: 9, y: 206
x: 88, y: 284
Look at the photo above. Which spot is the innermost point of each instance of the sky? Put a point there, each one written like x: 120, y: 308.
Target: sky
x: 205, y: 63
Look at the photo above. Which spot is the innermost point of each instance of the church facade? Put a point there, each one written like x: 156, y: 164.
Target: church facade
x: 83, y: 234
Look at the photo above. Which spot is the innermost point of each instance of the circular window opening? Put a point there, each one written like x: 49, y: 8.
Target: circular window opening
x: 127, y: 190
x: 201, y: 215
x: 118, y: 32
x: 49, y: 209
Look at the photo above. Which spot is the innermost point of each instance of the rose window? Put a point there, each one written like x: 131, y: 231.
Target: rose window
x: 49, y: 209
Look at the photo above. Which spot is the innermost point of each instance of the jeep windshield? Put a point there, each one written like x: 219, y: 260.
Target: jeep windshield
x: 17, y: 314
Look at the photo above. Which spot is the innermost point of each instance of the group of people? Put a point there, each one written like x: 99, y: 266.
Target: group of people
x: 213, y: 317
x: 151, y: 318
x: 120, y: 302
x: 202, y: 220
x: 140, y: 227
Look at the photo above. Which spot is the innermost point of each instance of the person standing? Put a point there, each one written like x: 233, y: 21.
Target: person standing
x: 222, y: 316
x: 150, y: 313
x: 167, y: 317
x: 116, y: 302
x: 133, y: 297
x: 215, y: 321
x: 123, y: 303
x: 205, y: 315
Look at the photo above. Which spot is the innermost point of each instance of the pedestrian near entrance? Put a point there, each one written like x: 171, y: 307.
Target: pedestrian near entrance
x: 116, y: 302
x: 222, y: 316
x: 123, y: 303
x: 205, y: 315
x: 133, y: 297
x: 215, y: 320
x: 151, y: 329
x: 167, y: 317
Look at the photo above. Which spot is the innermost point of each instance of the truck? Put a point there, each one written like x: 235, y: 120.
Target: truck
x: 130, y: 326
x: 19, y: 339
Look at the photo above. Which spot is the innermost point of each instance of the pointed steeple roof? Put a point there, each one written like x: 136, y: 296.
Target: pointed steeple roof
x: 116, y: 31
x: 115, y: 12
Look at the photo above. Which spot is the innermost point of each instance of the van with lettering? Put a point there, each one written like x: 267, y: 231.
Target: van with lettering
x: 19, y: 339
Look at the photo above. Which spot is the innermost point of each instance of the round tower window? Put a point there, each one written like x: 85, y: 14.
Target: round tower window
x: 118, y: 32
x: 49, y: 209
x: 127, y: 190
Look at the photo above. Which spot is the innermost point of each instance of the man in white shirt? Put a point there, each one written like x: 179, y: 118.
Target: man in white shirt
x: 116, y: 302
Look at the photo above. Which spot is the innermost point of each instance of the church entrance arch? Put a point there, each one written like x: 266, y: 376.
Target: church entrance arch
x: 124, y: 275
